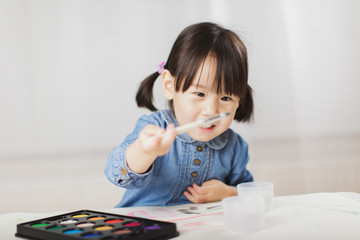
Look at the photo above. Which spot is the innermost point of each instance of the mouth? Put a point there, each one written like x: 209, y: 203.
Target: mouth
x: 207, y: 126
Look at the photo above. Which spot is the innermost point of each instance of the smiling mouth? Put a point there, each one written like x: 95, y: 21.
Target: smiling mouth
x: 207, y: 126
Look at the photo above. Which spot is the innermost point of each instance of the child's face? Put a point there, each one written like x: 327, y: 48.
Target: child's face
x: 199, y: 102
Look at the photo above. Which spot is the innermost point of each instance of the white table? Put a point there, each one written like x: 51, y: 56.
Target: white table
x: 310, y: 216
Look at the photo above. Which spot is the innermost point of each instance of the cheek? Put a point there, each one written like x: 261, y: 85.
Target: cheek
x: 227, y: 122
x: 230, y: 108
x: 183, y: 113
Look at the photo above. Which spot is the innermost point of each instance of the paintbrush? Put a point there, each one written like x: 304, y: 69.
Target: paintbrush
x: 198, y: 123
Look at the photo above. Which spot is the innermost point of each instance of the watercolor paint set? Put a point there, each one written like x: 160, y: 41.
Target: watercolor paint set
x: 88, y: 224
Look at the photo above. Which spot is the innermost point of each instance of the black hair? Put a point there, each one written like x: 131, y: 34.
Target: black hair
x: 193, y: 45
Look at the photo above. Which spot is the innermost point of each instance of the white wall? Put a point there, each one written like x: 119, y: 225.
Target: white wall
x: 69, y: 71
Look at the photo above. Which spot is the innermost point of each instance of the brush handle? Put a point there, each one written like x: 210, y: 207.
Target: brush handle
x: 198, y: 123
x: 188, y: 127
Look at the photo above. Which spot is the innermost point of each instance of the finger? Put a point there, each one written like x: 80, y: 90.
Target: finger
x: 170, y: 126
x: 189, y: 197
x: 193, y: 197
x: 170, y: 131
x: 196, y: 197
x: 191, y: 190
x: 151, y: 131
x: 151, y: 137
x: 152, y: 128
x: 151, y: 143
x: 169, y: 136
x: 199, y: 190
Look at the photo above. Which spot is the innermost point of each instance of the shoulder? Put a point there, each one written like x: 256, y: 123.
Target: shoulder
x: 146, y: 119
x: 158, y: 118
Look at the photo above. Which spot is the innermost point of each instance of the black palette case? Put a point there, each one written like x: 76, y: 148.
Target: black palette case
x: 88, y: 224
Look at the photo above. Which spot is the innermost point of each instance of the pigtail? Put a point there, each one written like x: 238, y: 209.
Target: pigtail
x: 245, y: 110
x: 144, y: 95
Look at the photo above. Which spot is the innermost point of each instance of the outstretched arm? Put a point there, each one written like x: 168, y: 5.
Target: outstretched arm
x: 153, y: 141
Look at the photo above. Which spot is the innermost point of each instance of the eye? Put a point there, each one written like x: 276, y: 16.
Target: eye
x: 200, y: 94
x: 226, y: 98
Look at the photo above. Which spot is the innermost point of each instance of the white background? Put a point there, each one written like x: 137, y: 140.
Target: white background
x: 69, y: 71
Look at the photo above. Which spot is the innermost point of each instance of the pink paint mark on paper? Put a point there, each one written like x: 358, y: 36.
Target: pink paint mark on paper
x: 194, y: 224
x: 196, y: 228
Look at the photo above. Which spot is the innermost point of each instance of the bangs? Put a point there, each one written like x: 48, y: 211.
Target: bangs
x: 230, y: 60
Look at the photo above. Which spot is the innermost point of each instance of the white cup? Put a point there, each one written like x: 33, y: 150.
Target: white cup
x: 264, y: 189
x: 243, y: 214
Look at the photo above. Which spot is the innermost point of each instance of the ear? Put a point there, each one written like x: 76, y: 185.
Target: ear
x: 167, y: 85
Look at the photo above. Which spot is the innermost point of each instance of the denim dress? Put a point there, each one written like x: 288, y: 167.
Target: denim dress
x: 188, y: 161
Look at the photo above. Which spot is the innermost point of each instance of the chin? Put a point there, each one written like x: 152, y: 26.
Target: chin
x: 202, y: 138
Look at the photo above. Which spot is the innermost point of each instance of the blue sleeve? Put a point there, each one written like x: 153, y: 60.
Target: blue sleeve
x: 239, y: 172
x: 116, y: 168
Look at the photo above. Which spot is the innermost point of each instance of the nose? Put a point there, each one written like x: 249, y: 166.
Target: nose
x: 210, y: 107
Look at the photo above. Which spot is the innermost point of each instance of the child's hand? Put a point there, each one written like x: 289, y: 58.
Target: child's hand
x: 211, y: 191
x: 153, y: 141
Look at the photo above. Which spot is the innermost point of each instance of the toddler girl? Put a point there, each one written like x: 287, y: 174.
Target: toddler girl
x: 205, y: 74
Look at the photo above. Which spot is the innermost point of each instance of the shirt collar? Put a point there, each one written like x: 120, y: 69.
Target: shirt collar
x: 216, y: 143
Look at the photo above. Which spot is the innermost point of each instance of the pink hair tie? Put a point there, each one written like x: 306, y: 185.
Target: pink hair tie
x: 161, y: 67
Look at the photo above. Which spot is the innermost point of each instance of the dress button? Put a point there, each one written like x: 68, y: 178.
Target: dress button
x: 194, y: 174
x: 199, y: 148
x: 197, y: 162
x: 123, y: 171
